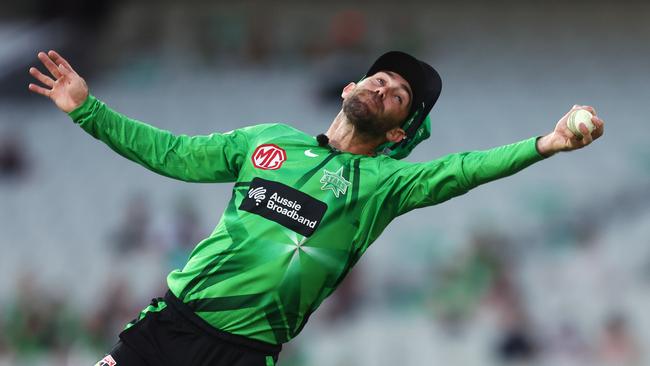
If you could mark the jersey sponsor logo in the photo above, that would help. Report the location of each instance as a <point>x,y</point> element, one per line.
<point>107,361</point>
<point>285,205</point>
<point>269,157</point>
<point>335,182</point>
<point>258,194</point>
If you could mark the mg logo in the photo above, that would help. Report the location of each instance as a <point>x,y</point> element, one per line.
<point>269,157</point>
<point>107,361</point>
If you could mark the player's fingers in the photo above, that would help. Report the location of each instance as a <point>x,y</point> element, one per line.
<point>599,127</point>
<point>59,60</point>
<point>63,70</point>
<point>586,135</point>
<point>49,64</point>
<point>590,109</point>
<point>599,124</point>
<point>36,73</point>
<point>39,89</point>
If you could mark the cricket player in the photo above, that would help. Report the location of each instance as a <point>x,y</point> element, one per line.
<point>303,210</point>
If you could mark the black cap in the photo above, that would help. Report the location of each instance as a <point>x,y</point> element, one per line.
<point>424,80</point>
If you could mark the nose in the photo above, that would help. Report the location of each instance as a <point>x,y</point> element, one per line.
<point>381,91</point>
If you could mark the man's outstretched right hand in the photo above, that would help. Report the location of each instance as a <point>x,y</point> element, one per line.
<point>67,89</point>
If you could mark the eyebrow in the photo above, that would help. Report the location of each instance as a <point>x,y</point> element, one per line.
<point>402,85</point>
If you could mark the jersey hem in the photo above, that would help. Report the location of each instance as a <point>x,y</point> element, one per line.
<point>177,305</point>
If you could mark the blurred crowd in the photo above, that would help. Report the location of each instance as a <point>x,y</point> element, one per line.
<point>562,293</point>
<point>41,325</point>
<point>487,283</point>
<point>14,162</point>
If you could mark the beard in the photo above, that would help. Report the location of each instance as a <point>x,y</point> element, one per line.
<point>363,110</point>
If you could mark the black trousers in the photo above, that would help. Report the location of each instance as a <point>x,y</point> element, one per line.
<point>173,337</point>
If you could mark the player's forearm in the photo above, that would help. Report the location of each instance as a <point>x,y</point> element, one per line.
<point>480,167</point>
<point>156,149</point>
<point>424,184</point>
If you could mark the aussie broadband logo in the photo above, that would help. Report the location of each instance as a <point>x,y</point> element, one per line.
<point>258,194</point>
<point>269,157</point>
<point>285,205</point>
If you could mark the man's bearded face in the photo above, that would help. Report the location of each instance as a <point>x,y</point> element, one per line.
<point>365,110</point>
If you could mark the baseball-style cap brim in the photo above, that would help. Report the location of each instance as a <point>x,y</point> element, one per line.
<point>425,83</point>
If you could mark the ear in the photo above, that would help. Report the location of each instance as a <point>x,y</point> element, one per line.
<point>395,135</point>
<point>347,90</point>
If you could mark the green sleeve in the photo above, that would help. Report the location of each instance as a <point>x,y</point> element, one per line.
<point>415,185</point>
<point>212,158</point>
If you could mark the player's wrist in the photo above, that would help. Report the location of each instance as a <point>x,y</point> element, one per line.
<point>83,109</point>
<point>545,145</point>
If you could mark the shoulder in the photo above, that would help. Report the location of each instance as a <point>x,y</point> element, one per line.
<point>388,165</point>
<point>282,131</point>
<point>275,133</point>
<point>390,168</point>
<point>273,128</point>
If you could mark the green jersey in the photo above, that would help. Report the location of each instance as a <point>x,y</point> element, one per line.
<point>300,216</point>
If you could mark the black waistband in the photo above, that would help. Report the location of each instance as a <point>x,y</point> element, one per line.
<point>183,309</point>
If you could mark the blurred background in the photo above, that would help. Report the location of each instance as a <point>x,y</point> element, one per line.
<point>548,267</point>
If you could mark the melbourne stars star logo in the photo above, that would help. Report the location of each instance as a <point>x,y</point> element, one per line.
<point>335,182</point>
